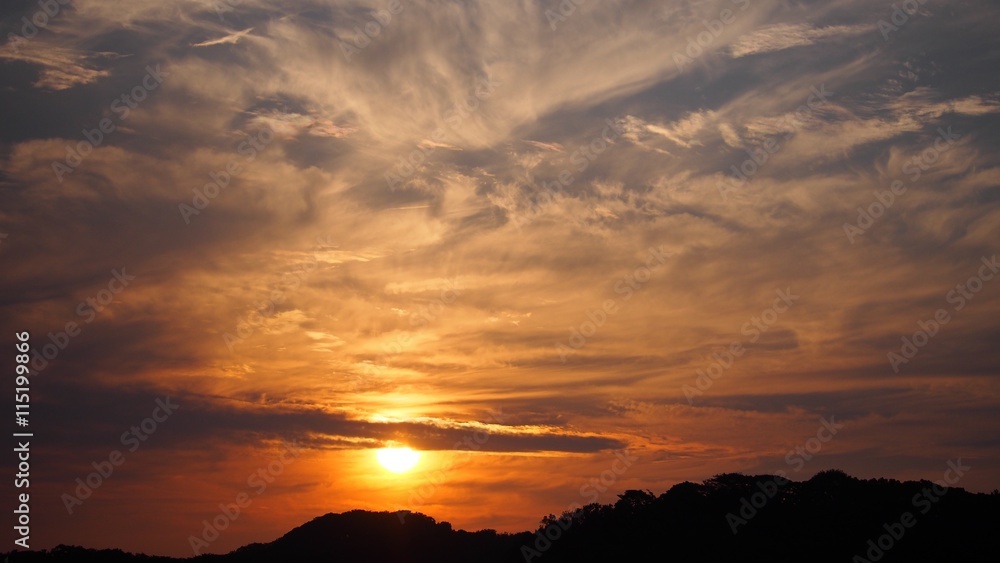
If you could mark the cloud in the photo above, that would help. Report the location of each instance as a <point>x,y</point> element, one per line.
<point>289,124</point>
<point>230,39</point>
<point>511,269</point>
<point>783,36</point>
<point>545,146</point>
<point>730,136</point>
<point>924,103</point>
<point>684,131</point>
<point>61,68</point>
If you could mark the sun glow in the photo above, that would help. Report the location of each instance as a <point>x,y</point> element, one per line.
<point>397,460</point>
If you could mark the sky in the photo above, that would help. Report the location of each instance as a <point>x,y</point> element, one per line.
<point>562,249</point>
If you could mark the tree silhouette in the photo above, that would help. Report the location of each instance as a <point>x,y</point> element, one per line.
<point>832,517</point>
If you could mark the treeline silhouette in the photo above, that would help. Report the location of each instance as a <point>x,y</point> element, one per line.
<point>731,517</point>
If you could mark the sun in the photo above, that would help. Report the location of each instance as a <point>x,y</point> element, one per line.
<point>397,460</point>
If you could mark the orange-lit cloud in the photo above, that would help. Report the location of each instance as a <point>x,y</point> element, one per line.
<point>478,214</point>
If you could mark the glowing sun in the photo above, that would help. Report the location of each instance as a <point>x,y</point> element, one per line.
<point>397,460</point>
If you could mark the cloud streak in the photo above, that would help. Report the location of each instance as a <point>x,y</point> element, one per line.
<point>367,314</point>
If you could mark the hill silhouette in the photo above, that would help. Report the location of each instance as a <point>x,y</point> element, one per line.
<point>831,517</point>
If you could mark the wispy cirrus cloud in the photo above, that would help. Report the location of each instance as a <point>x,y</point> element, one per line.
<point>783,36</point>
<point>230,39</point>
<point>60,68</point>
<point>538,203</point>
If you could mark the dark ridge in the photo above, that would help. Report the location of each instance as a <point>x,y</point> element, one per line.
<point>832,517</point>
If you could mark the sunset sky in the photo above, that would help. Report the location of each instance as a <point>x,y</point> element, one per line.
<point>528,241</point>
